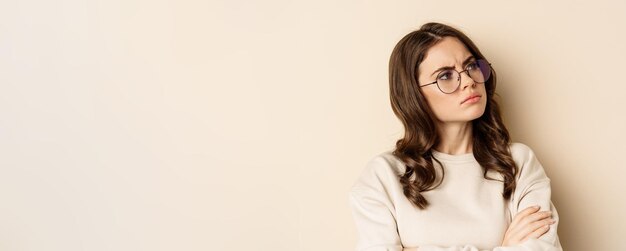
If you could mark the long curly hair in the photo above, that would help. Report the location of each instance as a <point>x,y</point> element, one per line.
<point>490,138</point>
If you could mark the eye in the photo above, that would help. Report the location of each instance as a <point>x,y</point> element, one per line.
<point>445,75</point>
<point>472,65</point>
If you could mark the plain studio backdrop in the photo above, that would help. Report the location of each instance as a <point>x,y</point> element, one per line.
<point>241,125</point>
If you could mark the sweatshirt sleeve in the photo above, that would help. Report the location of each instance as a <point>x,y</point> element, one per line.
<point>374,213</point>
<point>373,210</point>
<point>533,188</point>
<point>529,245</point>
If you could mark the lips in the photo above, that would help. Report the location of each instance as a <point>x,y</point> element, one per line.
<point>470,97</point>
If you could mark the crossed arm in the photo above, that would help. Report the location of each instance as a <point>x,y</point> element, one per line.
<point>531,228</point>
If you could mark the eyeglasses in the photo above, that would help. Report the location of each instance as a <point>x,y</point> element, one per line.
<point>448,81</point>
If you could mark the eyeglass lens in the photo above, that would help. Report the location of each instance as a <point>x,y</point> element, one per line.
<point>449,80</point>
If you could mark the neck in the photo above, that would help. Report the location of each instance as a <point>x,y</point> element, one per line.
<point>455,138</point>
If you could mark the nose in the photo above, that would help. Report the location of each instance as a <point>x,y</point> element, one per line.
<point>466,80</point>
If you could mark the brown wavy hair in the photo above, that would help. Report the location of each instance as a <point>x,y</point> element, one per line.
<point>490,138</point>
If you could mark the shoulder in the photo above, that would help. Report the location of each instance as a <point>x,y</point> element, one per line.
<point>520,151</point>
<point>527,162</point>
<point>380,171</point>
<point>522,154</point>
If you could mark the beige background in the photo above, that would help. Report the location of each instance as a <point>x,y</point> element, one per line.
<point>241,125</point>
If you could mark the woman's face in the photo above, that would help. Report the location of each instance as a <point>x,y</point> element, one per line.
<point>450,108</point>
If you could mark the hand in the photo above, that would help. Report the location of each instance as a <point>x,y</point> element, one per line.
<point>409,249</point>
<point>529,223</point>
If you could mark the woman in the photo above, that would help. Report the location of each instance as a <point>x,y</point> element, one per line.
<point>455,181</point>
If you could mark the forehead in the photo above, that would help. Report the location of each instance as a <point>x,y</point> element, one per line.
<point>450,51</point>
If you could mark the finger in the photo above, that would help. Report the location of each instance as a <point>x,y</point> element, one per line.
<point>523,213</point>
<point>516,233</point>
<point>537,233</point>
<point>535,226</point>
<point>537,216</point>
<point>517,227</point>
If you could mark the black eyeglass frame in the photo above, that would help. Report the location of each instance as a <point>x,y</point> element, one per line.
<point>459,79</point>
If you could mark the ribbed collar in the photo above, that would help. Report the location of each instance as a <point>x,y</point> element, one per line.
<point>466,157</point>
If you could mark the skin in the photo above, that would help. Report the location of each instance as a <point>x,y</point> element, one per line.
<point>455,128</point>
<point>452,117</point>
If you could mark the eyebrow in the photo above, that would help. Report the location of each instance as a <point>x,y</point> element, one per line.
<point>452,67</point>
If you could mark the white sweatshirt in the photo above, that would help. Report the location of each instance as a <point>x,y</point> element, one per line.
<point>466,213</point>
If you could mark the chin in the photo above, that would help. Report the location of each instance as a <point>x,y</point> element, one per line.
<point>476,114</point>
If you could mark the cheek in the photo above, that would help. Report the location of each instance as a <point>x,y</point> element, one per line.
<point>442,106</point>
<point>483,107</point>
